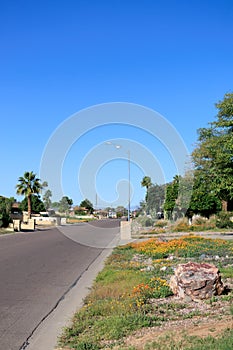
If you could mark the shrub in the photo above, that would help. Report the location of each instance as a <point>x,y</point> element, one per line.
<point>161,223</point>
<point>199,220</point>
<point>158,230</point>
<point>224,220</point>
<point>4,218</point>
<point>202,224</point>
<point>155,288</point>
<point>181,225</point>
<point>145,221</point>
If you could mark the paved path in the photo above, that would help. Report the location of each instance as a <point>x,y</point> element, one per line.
<point>212,235</point>
<point>39,270</point>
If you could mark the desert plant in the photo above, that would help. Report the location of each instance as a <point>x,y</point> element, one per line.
<point>161,223</point>
<point>181,225</point>
<point>224,220</point>
<point>145,221</point>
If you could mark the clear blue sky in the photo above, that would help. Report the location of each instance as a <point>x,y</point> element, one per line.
<point>59,57</point>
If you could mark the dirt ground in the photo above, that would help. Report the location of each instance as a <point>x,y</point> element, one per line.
<point>197,327</point>
<point>212,319</point>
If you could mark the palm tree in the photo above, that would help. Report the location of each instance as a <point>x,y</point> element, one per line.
<point>146,182</point>
<point>28,186</point>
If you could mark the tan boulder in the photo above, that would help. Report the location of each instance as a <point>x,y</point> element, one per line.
<point>196,281</point>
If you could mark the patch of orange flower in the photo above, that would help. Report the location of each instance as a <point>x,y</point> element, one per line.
<point>155,247</point>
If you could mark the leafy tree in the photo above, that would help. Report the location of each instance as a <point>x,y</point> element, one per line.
<point>65,204</point>
<point>121,211</point>
<point>88,205</point>
<point>47,199</point>
<point>5,209</point>
<point>36,205</point>
<point>213,156</point>
<point>28,186</point>
<point>55,205</point>
<point>203,200</point>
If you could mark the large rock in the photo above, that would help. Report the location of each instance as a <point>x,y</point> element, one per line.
<point>196,281</point>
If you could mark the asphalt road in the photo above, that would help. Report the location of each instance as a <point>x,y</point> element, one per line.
<point>37,269</point>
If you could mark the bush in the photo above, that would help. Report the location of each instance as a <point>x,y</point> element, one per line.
<point>224,220</point>
<point>181,225</point>
<point>202,224</point>
<point>161,223</point>
<point>145,221</point>
<point>4,218</point>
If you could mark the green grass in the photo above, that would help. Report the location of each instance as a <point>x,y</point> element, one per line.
<point>122,299</point>
<point>227,272</point>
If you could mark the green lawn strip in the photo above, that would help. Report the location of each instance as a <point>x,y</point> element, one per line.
<point>120,300</point>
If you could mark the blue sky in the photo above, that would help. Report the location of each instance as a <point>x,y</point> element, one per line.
<point>60,57</point>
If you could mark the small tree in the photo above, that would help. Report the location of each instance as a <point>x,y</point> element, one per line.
<point>88,205</point>
<point>121,211</point>
<point>65,204</point>
<point>47,199</point>
<point>5,209</point>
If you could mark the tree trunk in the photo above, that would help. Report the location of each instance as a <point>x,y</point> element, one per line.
<point>29,207</point>
<point>224,205</point>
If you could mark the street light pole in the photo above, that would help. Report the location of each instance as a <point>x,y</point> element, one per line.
<point>129,185</point>
<point>128,152</point>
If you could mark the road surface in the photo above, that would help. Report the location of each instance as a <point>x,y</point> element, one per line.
<point>38,269</point>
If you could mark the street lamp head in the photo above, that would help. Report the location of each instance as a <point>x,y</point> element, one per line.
<point>113,144</point>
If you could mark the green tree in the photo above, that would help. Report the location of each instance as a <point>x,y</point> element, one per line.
<point>47,199</point>
<point>5,210</point>
<point>213,156</point>
<point>121,211</point>
<point>55,205</point>
<point>88,205</point>
<point>28,186</point>
<point>36,205</point>
<point>65,204</point>
<point>203,200</point>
